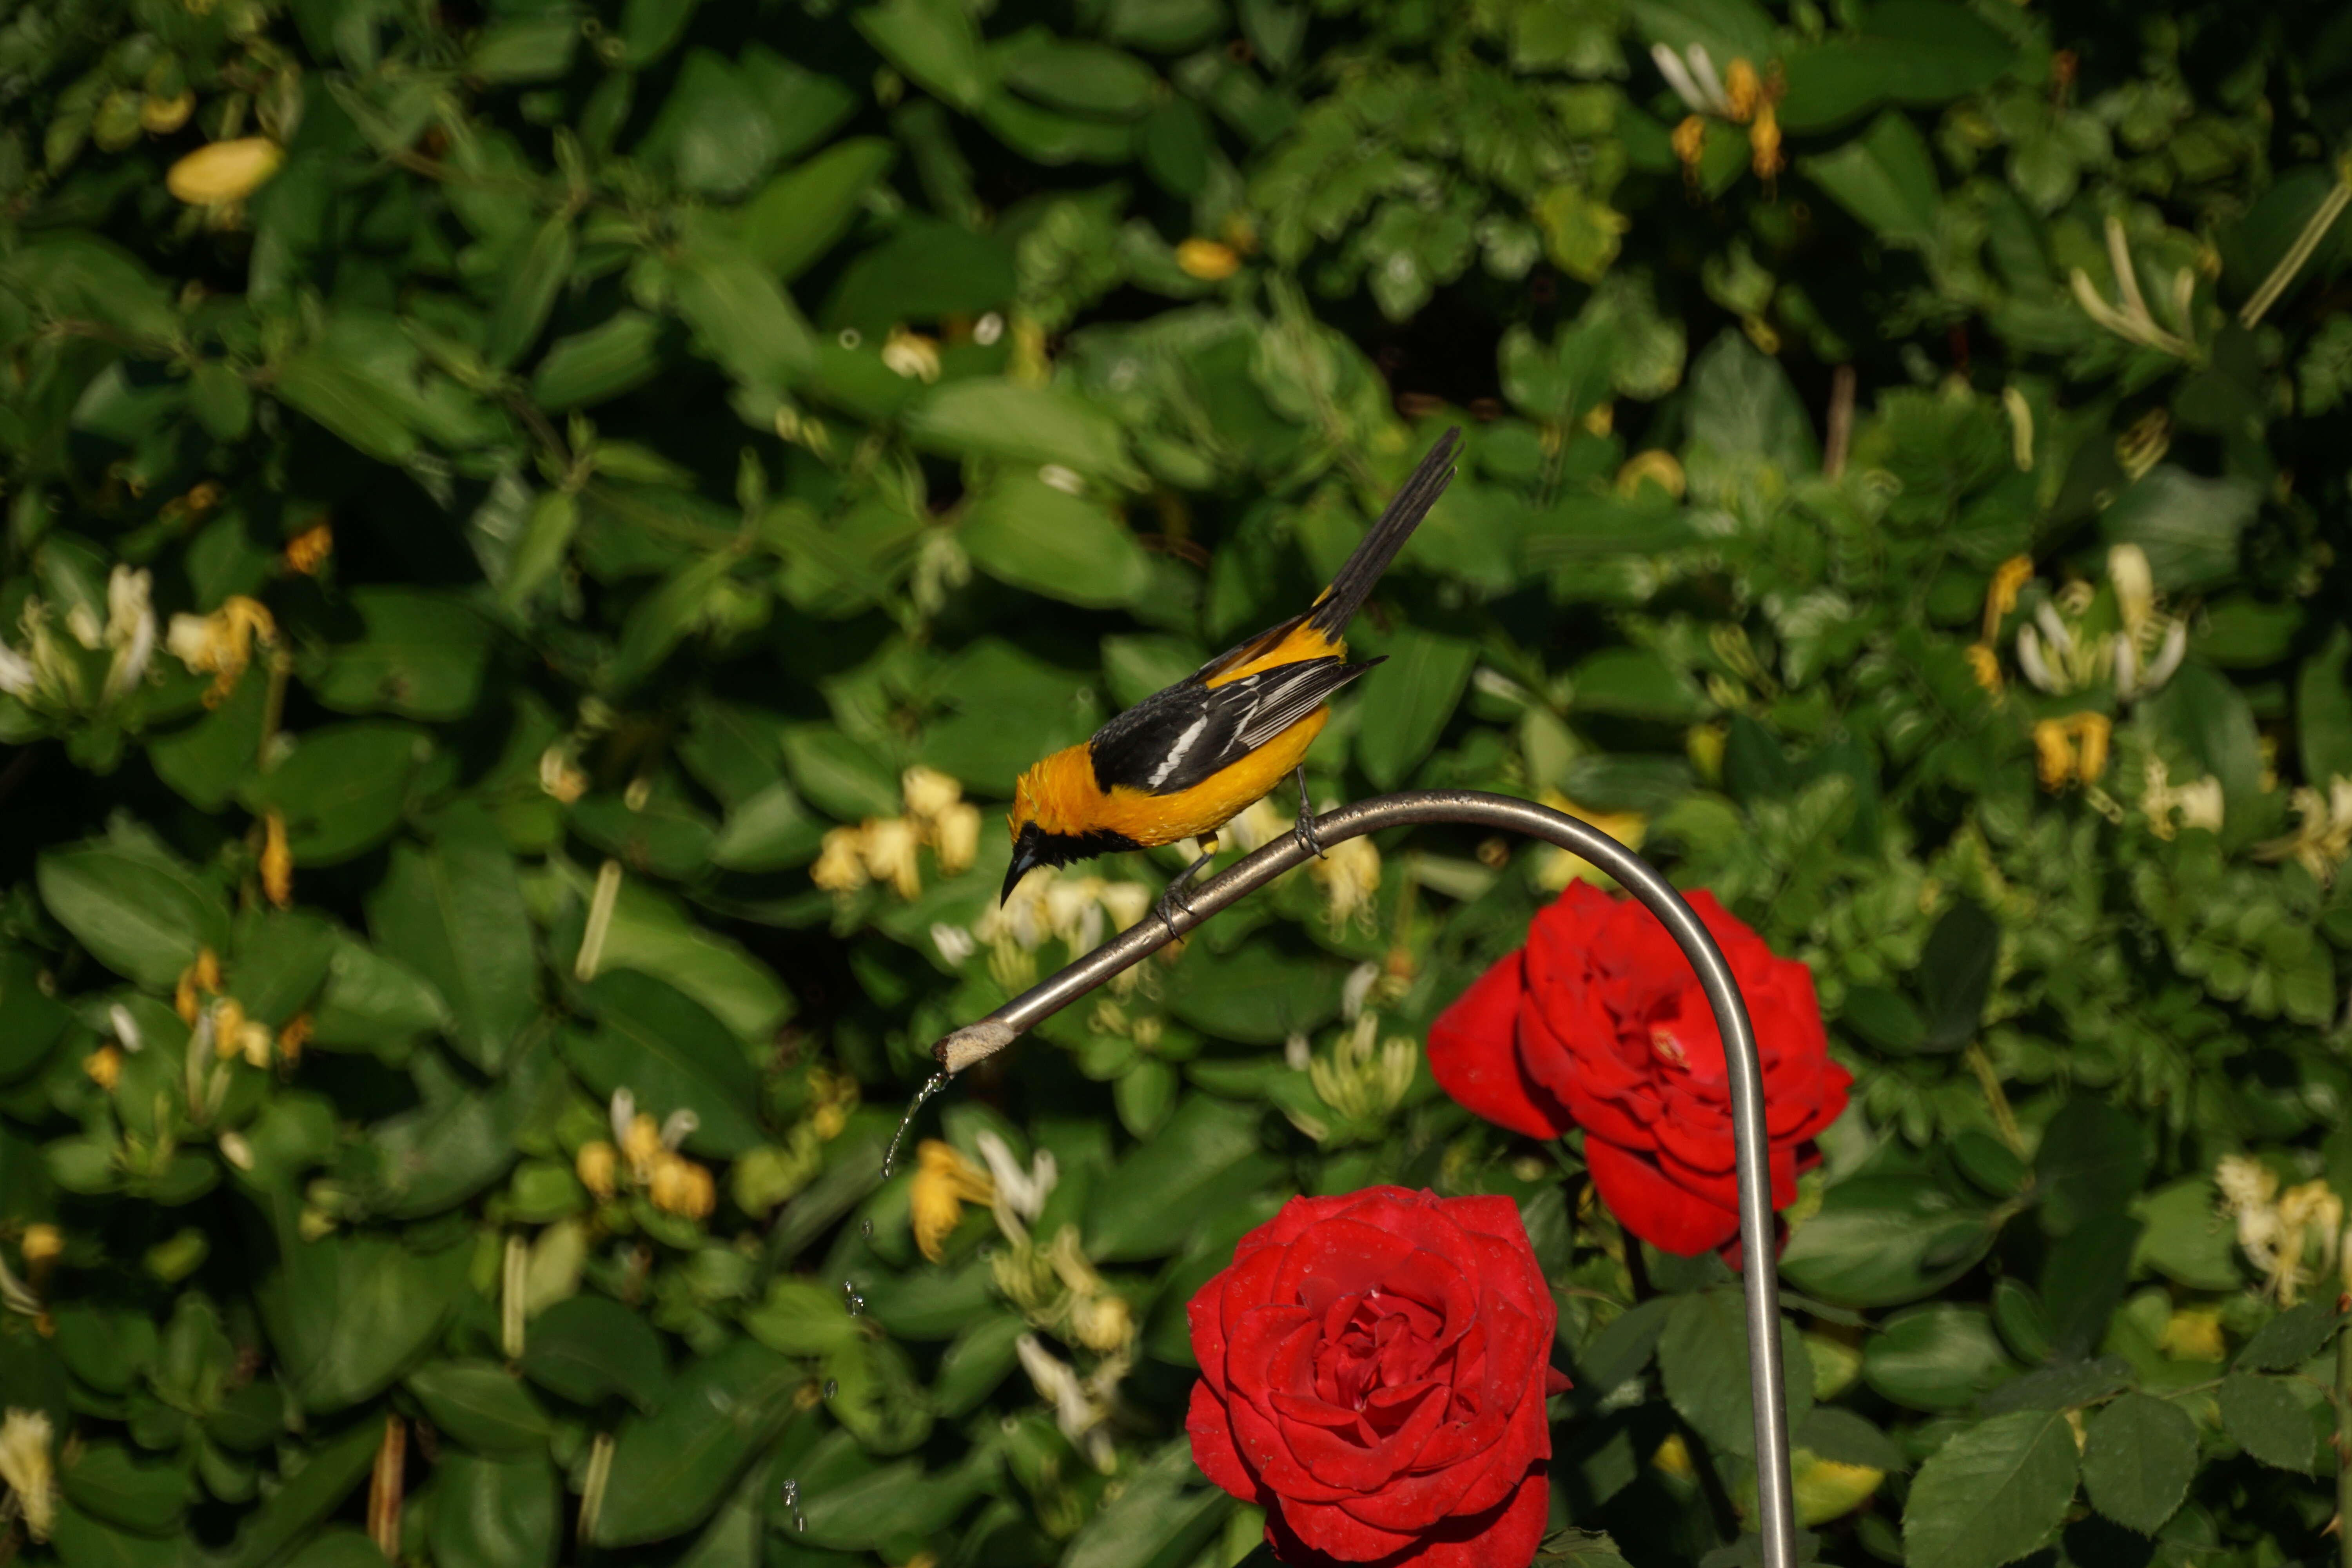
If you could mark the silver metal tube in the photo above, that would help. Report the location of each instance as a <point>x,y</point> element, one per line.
<point>1776,1518</point>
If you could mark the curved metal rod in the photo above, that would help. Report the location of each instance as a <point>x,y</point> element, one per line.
<point>1775,1517</point>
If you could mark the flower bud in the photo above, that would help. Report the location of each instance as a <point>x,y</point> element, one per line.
<point>597,1165</point>
<point>225,172</point>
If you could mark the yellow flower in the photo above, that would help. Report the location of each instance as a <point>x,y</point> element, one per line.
<point>221,644</point>
<point>1207,259</point>
<point>888,846</point>
<point>955,835</point>
<point>104,1066</point>
<point>26,1466</point>
<point>234,1034</point>
<point>912,355</point>
<point>1690,144</point>
<point>1656,467</point>
<point>1764,144</point>
<point>841,861</point>
<point>1985,665</point>
<point>162,116</point>
<point>597,1165</point>
<point>2000,598</point>
<point>944,1182</point>
<point>1350,871</point>
<point>928,792</point>
<point>201,978</point>
<point>306,550</point>
<point>1102,1321</point>
<point>2054,754</point>
<point>1673,1457</point>
<point>276,860</point>
<point>293,1037</point>
<point>1742,90</point>
<point>2194,1333</point>
<point>225,172</point>
<point>2092,732</point>
<point>679,1186</point>
<point>42,1243</point>
<point>641,1145</point>
<point>1558,867</point>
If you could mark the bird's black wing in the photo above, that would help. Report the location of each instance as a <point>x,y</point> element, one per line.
<point>1175,739</point>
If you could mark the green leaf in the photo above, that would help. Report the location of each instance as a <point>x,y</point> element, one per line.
<point>976,1363</point>
<point>1034,535</point>
<point>1886,178</point>
<point>30,1021</point>
<point>82,1541</point>
<point>651,934</point>
<point>1939,1357</point>
<point>935,42</point>
<point>371,1000</point>
<point>2289,1339</point>
<point>2266,1418</point>
<point>342,789</point>
<point>454,914</point>
<point>528,296</point>
<point>800,1317</point>
<point>1083,78</point>
<point>2091,1160</point>
<point>1992,1494</point>
<point>2187,526</point>
<point>1637,683</point>
<point>332,390</point>
<point>2139,1455</point>
<point>2322,708</point>
<point>481,1404</point>
<point>1209,1154</point>
<point>768,831</point>
<point>1704,1361</point>
<point>1879,1241</point>
<point>988,418</point>
<point>207,760</point>
<point>1955,974</point>
<point>111,1484</point>
<point>348,1313</point>
<point>671,1468</point>
<point>1742,407</point>
<point>712,132</point>
<point>1258,994</point>
<point>421,653</point>
<point>546,539</point>
<point>1844,1437</point>
<point>619,355</point>
<point>668,1051</point>
<point>2179,1239</point>
<point>1161,1520</point>
<point>663,618</point>
<point>139,910</point>
<point>872,1389</point>
<point>495,1513</point>
<point>327,1475</point>
<point>740,317</point>
<point>587,1348</point>
<point>798,217</point>
<point>836,773</point>
<point>525,49</point>
<point>1404,706</point>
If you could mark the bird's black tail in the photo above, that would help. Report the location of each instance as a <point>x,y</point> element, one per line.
<point>1353,586</point>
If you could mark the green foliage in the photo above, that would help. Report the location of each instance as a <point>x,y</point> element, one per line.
<point>522,595</point>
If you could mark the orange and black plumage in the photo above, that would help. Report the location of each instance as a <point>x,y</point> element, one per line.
<point>1185,761</point>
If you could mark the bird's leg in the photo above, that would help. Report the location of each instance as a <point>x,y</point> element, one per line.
<point>1304,831</point>
<point>1172,898</point>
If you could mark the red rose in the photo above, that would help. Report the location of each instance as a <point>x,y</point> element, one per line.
<point>1599,1022</point>
<point>1374,1372</point>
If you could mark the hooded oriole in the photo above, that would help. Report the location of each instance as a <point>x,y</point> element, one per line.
<point>1184,761</point>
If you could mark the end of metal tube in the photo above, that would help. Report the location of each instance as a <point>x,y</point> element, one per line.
<point>972,1043</point>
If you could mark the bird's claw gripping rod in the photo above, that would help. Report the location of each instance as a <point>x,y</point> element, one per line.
<point>975,1042</point>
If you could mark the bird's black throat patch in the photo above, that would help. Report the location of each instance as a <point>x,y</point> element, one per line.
<point>1062,849</point>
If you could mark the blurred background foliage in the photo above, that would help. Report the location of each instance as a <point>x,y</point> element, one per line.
<point>539,536</point>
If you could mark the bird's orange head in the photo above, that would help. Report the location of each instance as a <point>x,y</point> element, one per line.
<point>1051,823</point>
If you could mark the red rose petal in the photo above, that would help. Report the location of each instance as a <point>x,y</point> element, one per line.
<point>1668,1218</point>
<point>1473,1056</point>
<point>1213,1443</point>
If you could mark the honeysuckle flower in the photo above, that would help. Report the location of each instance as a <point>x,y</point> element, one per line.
<point>928,792</point>
<point>944,1182</point>
<point>1207,259</point>
<point>225,172</point>
<point>2129,318</point>
<point>129,628</point>
<point>1081,1405</point>
<point>2194,1333</point>
<point>221,644</point>
<point>2200,803</point>
<point>1363,1077</point>
<point>308,550</point>
<point>234,1149</point>
<point>293,1037</point>
<point>2009,580</point>
<point>276,860</point>
<point>103,1067</point>
<point>840,861</point>
<point>1655,466</point>
<point>953,944</point>
<point>42,1246</point>
<point>639,1145</point>
<point>2323,837</point>
<point>200,979</point>
<point>1355,989</point>
<point>598,1165</point>
<point>28,1468</point>
<point>125,1027</point>
<point>162,116</point>
<point>887,846</point>
<point>1349,873</point>
<point>1984,665</point>
<point>2071,750</point>
<point>912,355</point>
<point>558,776</point>
<point>678,1186</point>
<point>1693,77</point>
<point>17,677</point>
<point>1019,1191</point>
<point>955,837</point>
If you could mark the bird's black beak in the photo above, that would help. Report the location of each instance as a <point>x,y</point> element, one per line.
<point>1025,859</point>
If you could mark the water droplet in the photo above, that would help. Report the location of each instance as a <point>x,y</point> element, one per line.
<point>792,1501</point>
<point>865,1229</point>
<point>832,1386</point>
<point>856,1301</point>
<point>932,1086</point>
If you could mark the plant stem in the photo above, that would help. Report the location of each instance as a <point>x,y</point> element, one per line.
<point>2343,1437</point>
<point>2323,219</point>
<point>2003,1119</point>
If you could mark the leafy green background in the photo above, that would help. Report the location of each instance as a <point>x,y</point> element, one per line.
<point>721,410</point>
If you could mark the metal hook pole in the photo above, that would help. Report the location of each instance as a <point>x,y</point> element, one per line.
<point>1776,1518</point>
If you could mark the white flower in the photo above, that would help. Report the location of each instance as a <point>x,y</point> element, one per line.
<point>26,1466</point>
<point>623,1113</point>
<point>129,628</point>
<point>1359,983</point>
<point>1023,1192</point>
<point>1080,1408</point>
<point>1062,480</point>
<point>677,1127</point>
<point>955,944</point>
<point>16,674</point>
<point>1693,77</point>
